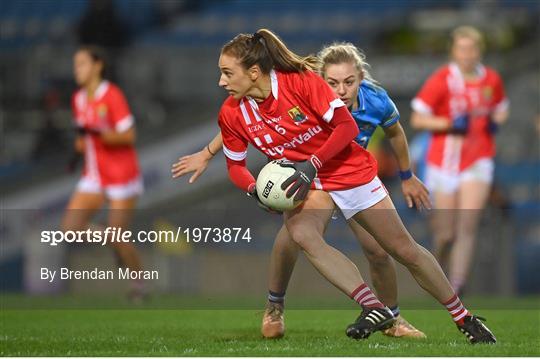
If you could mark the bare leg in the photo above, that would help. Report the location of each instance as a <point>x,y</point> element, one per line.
<point>282,260</point>
<point>81,208</point>
<point>384,224</point>
<point>443,220</point>
<point>120,213</point>
<point>473,196</point>
<point>306,226</point>
<point>381,265</point>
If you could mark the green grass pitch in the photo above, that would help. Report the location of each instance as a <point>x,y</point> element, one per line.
<point>228,332</point>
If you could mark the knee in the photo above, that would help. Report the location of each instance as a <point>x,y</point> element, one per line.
<point>379,258</point>
<point>444,237</point>
<point>407,254</point>
<point>307,240</point>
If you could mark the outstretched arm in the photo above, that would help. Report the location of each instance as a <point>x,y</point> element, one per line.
<point>197,162</point>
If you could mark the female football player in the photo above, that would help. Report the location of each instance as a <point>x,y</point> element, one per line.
<point>275,100</point>
<point>345,70</point>
<point>462,103</point>
<point>106,137</point>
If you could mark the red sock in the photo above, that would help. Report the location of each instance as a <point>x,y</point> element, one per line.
<point>365,297</point>
<point>456,309</point>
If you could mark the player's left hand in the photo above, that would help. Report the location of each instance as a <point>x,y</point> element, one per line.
<point>416,193</point>
<point>492,126</point>
<point>301,179</point>
<point>81,131</point>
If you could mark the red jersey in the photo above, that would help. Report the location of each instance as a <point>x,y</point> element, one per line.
<point>447,94</point>
<point>293,123</point>
<point>108,110</point>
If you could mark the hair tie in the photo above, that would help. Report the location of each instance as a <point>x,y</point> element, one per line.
<point>256,37</point>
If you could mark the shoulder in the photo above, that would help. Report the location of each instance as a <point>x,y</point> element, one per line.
<point>492,74</point>
<point>299,78</point>
<point>373,90</point>
<point>376,95</point>
<point>441,72</point>
<point>77,98</point>
<point>113,90</point>
<point>77,94</point>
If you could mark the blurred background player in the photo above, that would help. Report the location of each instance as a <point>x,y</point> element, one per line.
<point>345,70</point>
<point>462,104</point>
<point>255,70</point>
<point>106,137</point>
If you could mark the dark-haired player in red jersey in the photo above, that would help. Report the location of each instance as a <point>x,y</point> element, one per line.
<point>462,103</point>
<point>279,105</point>
<point>106,137</point>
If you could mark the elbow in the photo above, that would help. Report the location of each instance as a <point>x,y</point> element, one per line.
<point>353,133</point>
<point>416,122</point>
<point>131,136</point>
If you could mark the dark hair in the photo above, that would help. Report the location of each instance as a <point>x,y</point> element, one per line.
<point>98,55</point>
<point>266,49</point>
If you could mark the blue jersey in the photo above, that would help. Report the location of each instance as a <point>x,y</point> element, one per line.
<point>375,108</point>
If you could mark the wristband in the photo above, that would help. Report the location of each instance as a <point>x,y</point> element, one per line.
<point>405,175</point>
<point>208,148</point>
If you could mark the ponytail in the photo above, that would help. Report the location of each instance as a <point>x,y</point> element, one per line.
<point>266,49</point>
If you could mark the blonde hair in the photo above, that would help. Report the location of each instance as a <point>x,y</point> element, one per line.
<point>471,33</point>
<point>344,52</point>
<point>267,50</point>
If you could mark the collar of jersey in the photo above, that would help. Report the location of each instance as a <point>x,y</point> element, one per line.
<point>480,70</point>
<point>274,84</point>
<point>100,91</point>
<point>361,100</point>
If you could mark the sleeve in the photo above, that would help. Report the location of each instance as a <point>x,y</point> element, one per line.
<point>343,134</point>
<point>391,113</point>
<point>320,97</point>
<point>235,150</point>
<point>120,116</point>
<point>234,145</point>
<point>500,101</point>
<point>430,95</point>
<point>74,113</point>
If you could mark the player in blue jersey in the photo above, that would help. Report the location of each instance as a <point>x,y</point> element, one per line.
<point>345,71</point>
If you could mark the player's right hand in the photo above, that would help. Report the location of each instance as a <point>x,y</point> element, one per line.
<point>416,194</point>
<point>73,162</point>
<point>460,124</point>
<point>253,194</point>
<point>81,131</point>
<point>196,162</point>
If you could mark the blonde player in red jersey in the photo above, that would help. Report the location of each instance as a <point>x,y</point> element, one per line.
<point>462,103</point>
<point>106,137</point>
<point>279,105</point>
<point>345,69</point>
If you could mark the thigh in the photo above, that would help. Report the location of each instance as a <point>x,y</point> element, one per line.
<point>473,194</point>
<point>384,224</point>
<point>313,215</point>
<point>443,215</point>
<point>121,211</point>
<point>81,207</point>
